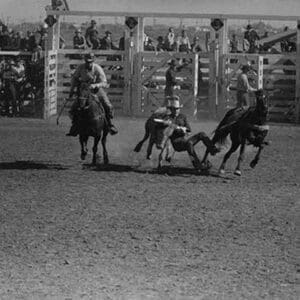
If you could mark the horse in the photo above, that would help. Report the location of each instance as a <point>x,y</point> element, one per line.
<point>244,127</point>
<point>92,123</point>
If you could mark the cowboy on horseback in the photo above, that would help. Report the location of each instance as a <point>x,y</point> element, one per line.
<point>92,75</point>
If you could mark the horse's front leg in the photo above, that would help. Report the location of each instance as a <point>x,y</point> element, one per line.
<point>232,149</point>
<point>95,149</point>
<point>83,142</point>
<point>254,162</point>
<point>240,159</point>
<point>105,154</point>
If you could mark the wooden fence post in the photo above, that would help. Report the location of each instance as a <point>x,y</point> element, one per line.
<point>218,47</point>
<point>297,92</point>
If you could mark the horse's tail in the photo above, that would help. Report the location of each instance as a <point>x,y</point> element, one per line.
<point>221,133</point>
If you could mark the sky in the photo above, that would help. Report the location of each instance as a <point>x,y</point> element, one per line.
<point>34,10</point>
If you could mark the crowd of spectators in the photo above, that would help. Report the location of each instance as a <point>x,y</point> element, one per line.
<point>11,40</point>
<point>251,42</point>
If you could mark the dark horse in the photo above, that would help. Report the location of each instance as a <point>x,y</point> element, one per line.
<point>244,127</point>
<point>92,122</point>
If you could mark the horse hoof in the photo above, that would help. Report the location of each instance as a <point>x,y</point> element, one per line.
<point>252,164</point>
<point>83,156</point>
<point>222,172</point>
<point>237,172</point>
<point>106,161</point>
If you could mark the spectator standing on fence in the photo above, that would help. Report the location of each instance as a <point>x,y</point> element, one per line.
<point>183,42</point>
<point>243,88</point>
<point>91,36</point>
<point>171,78</point>
<point>79,41</point>
<point>170,40</point>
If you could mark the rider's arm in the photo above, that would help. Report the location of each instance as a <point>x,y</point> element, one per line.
<point>101,80</point>
<point>246,84</point>
<point>74,80</point>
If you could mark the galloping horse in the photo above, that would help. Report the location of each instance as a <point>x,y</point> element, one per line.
<point>92,122</point>
<point>245,127</point>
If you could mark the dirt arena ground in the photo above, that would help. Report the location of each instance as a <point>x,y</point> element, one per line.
<point>71,231</point>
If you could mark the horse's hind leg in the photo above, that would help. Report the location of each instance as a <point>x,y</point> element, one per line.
<point>95,149</point>
<point>83,142</point>
<point>240,159</point>
<point>105,155</point>
<point>232,149</point>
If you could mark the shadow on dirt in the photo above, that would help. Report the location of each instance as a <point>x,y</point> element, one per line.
<point>165,170</point>
<point>31,165</point>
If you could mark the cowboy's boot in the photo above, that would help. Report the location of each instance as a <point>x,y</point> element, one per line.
<point>111,127</point>
<point>74,131</point>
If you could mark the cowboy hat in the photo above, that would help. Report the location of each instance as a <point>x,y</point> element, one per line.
<point>246,67</point>
<point>174,102</point>
<point>78,30</point>
<point>172,62</point>
<point>107,32</point>
<point>89,57</point>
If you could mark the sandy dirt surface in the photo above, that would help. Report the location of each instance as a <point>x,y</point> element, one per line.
<point>72,231</point>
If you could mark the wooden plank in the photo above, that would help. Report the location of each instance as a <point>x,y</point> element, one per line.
<point>276,76</point>
<point>279,67</point>
<point>297,93</point>
<point>171,15</point>
<point>96,52</point>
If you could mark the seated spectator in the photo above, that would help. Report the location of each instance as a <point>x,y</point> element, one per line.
<point>15,40</point>
<point>234,44</point>
<point>5,41</point>
<point>170,43</point>
<point>160,44</point>
<point>79,41</point>
<point>32,44</point>
<point>148,45</point>
<point>106,42</point>
<point>183,42</point>
<point>196,46</point>
<point>91,36</point>
<point>122,42</point>
<point>251,37</point>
